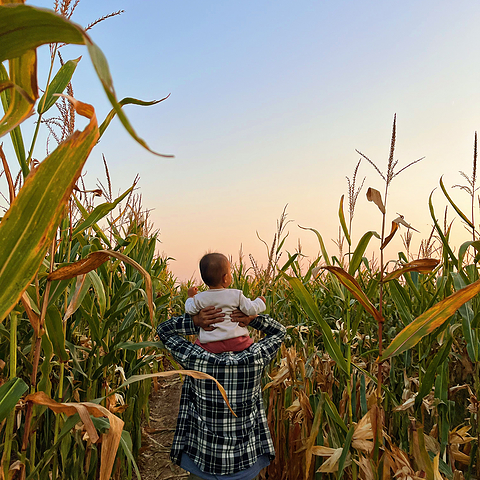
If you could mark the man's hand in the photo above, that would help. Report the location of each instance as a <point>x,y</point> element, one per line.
<point>207,317</point>
<point>192,291</point>
<point>242,319</point>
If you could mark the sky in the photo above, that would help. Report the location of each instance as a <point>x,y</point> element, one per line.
<point>269,101</point>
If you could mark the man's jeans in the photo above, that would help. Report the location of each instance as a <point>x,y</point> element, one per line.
<point>195,477</point>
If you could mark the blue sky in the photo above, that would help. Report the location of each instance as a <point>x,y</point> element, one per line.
<point>268,102</point>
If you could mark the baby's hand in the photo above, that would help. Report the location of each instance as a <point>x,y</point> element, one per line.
<point>263,298</point>
<point>192,291</point>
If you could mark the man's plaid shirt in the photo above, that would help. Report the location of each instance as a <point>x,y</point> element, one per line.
<point>216,441</point>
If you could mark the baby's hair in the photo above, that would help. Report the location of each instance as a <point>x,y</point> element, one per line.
<point>213,266</point>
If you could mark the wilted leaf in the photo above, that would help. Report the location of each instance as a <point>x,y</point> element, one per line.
<point>363,434</point>
<point>110,440</point>
<point>190,373</point>
<point>422,265</point>
<point>390,236</point>
<point>375,197</point>
<point>83,266</point>
<point>401,221</point>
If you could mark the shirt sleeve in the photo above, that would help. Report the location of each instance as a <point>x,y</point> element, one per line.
<point>191,306</point>
<point>251,307</point>
<point>170,333</point>
<point>275,334</point>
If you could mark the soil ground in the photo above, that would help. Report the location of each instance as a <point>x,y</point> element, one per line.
<point>154,459</point>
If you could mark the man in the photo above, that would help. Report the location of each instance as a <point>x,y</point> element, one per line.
<point>209,441</point>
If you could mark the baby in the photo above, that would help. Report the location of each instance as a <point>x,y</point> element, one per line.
<point>228,336</point>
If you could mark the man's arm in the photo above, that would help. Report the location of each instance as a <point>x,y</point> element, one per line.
<point>171,334</point>
<point>274,330</point>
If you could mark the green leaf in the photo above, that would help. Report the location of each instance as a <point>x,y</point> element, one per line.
<point>326,258</point>
<point>25,28</point>
<point>429,377</point>
<point>57,85</point>
<point>359,251</point>
<point>99,212</point>
<point>352,285</point>
<point>346,448</point>
<point>463,250</point>
<point>312,311</point>
<point>30,224</point>
<point>467,314</point>
<point>99,291</point>
<point>402,302</point>
<point>429,321</point>
<point>10,394</point>
<point>440,232</point>
<point>16,133</point>
<point>127,446</point>
<point>123,102</point>
<point>455,207</point>
<point>23,77</point>
<point>53,322</point>
<point>341,216</point>
<point>101,67</point>
<point>332,412</point>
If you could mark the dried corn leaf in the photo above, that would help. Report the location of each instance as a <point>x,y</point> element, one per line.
<point>376,197</point>
<point>333,454</point>
<point>110,440</point>
<point>363,434</point>
<point>423,265</point>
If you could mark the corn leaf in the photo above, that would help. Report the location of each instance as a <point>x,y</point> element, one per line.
<point>429,377</point>
<point>352,285</point>
<point>422,265</point>
<point>99,291</point>
<point>455,207</point>
<point>10,394</point>
<point>57,85</point>
<point>99,212</point>
<point>23,77</point>
<point>123,102</point>
<point>312,311</point>
<point>467,314</point>
<point>359,251</point>
<point>429,321</point>
<point>326,258</point>
<point>16,133</point>
<point>29,225</point>
<point>341,216</point>
<point>24,28</point>
<point>440,232</point>
<point>376,197</point>
<point>190,373</point>
<point>110,440</point>
<point>390,236</point>
<point>53,323</point>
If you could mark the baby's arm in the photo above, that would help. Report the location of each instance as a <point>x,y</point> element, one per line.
<point>192,291</point>
<point>190,305</point>
<point>252,307</point>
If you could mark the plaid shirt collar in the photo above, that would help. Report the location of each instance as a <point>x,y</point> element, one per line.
<point>218,442</point>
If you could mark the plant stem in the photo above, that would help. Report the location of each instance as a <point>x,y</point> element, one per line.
<point>7,448</point>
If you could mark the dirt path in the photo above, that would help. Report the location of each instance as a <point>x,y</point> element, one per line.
<point>154,459</point>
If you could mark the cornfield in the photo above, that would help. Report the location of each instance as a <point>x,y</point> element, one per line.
<point>379,376</point>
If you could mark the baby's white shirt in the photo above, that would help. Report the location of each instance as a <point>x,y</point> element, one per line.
<point>228,299</point>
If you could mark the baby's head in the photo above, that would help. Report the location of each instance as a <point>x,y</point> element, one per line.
<point>215,270</point>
